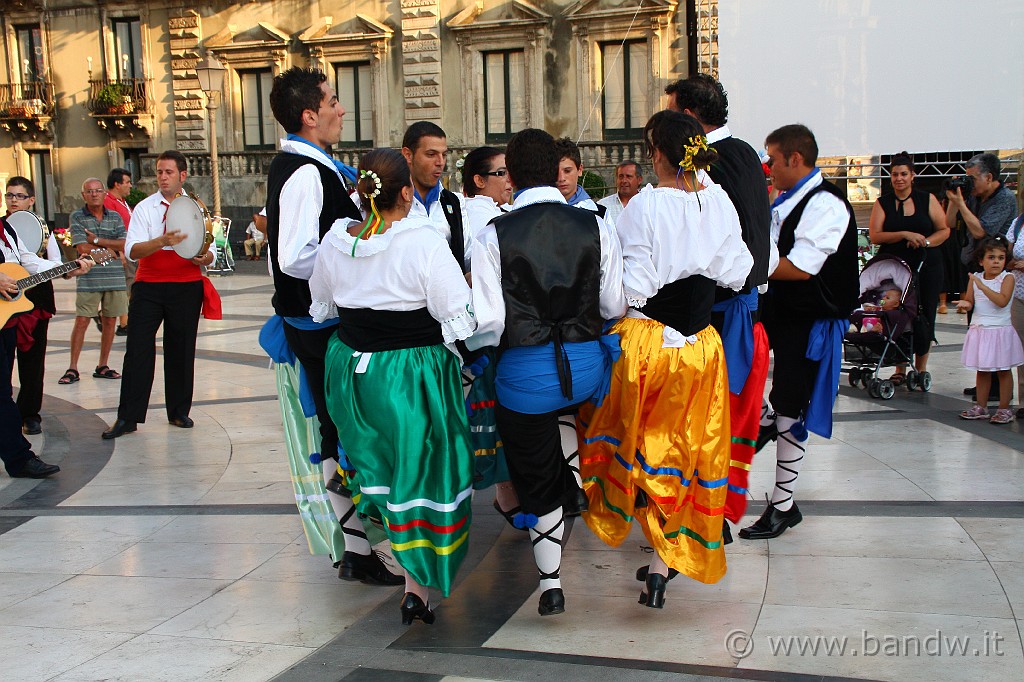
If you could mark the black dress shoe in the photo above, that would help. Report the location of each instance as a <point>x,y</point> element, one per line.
<point>654,595</point>
<point>367,568</point>
<point>34,468</point>
<point>551,602</point>
<point>181,422</point>
<point>726,533</point>
<point>641,573</point>
<point>576,503</point>
<point>121,331</point>
<point>773,523</point>
<point>32,427</point>
<point>119,428</point>
<point>971,391</point>
<point>413,608</point>
<point>765,435</point>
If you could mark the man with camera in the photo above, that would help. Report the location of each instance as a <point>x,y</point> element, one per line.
<point>988,207</point>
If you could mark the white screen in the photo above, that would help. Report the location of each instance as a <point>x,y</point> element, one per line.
<point>876,76</point>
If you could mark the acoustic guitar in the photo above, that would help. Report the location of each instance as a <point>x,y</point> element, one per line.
<point>20,302</point>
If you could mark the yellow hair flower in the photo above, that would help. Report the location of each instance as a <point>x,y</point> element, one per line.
<point>692,147</point>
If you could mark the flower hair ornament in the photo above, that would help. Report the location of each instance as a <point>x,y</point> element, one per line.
<point>693,146</point>
<point>375,221</point>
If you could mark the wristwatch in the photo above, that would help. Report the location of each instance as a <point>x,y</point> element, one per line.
<point>927,243</point>
<point>96,241</point>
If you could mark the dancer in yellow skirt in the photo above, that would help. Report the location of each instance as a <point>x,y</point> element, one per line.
<point>657,450</point>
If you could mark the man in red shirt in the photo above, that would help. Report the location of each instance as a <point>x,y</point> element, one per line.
<point>119,186</point>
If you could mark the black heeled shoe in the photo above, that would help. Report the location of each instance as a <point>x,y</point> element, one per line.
<point>551,602</point>
<point>413,608</point>
<point>654,595</point>
<point>509,515</point>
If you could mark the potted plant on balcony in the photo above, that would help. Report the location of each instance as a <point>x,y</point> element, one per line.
<point>115,98</point>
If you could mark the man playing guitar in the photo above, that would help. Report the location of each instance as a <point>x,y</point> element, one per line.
<point>15,450</point>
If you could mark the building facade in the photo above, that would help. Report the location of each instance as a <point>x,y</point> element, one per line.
<point>88,85</point>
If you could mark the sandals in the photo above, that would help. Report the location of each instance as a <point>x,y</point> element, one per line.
<point>104,372</point>
<point>898,379</point>
<point>975,412</point>
<point>1003,416</point>
<point>70,377</point>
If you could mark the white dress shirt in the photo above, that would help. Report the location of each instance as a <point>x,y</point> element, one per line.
<point>669,234</point>
<point>149,222</point>
<point>488,300</point>
<point>821,227</point>
<point>17,253</point>
<point>613,203</point>
<point>408,267</point>
<point>302,198</point>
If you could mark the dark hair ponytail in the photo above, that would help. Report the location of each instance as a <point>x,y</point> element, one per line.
<point>390,168</point>
<point>671,132</point>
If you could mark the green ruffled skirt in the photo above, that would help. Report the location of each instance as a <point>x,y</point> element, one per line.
<point>401,417</point>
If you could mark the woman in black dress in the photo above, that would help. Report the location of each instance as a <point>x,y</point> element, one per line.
<point>910,224</point>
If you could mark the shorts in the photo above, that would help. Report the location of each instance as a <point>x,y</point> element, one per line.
<point>110,303</point>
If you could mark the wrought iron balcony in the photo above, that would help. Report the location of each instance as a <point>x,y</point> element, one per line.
<point>121,104</point>
<point>26,108</point>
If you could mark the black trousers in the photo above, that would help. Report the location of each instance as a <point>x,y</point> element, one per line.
<point>793,376</point>
<point>175,305</point>
<point>31,367</point>
<point>930,283</point>
<point>15,449</point>
<point>310,347</point>
<point>536,463</point>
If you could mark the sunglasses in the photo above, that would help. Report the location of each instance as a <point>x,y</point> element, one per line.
<point>498,173</point>
<point>93,191</point>
<point>10,196</point>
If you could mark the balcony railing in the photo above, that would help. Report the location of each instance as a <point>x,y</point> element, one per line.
<point>119,97</point>
<point>29,101</point>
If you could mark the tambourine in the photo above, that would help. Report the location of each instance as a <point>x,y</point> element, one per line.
<point>189,215</point>
<point>31,230</point>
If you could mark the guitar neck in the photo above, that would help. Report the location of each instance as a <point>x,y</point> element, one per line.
<point>60,270</point>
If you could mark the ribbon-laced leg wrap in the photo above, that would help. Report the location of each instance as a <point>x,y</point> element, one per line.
<point>789,457</point>
<point>547,548</point>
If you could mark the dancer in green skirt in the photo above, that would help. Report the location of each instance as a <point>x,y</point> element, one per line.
<point>392,385</point>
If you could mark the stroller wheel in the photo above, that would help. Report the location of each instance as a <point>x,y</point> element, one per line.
<point>854,376</point>
<point>886,389</point>
<point>913,380</point>
<point>865,378</point>
<point>873,388</point>
<point>925,381</point>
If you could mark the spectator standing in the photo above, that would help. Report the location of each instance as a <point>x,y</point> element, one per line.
<point>628,179</point>
<point>94,226</point>
<point>119,186</point>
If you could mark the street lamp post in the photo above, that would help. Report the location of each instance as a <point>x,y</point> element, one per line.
<point>211,79</point>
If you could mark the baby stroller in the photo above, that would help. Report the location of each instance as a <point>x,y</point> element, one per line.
<point>884,338</point>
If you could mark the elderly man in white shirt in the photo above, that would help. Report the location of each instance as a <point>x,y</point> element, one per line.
<point>628,180</point>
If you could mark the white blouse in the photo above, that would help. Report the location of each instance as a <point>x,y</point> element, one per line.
<point>668,234</point>
<point>406,268</point>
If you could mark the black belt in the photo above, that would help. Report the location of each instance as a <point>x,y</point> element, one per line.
<point>371,331</point>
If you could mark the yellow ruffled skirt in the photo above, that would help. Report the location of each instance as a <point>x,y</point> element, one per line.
<point>662,431</point>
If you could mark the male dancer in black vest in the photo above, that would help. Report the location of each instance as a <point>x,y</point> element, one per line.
<point>811,293</point>
<point>306,193</point>
<point>545,277</point>
<point>735,314</point>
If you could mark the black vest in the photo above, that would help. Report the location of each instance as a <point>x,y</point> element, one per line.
<point>291,294</point>
<point>550,274</point>
<point>738,170</point>
<point>833,292</point>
